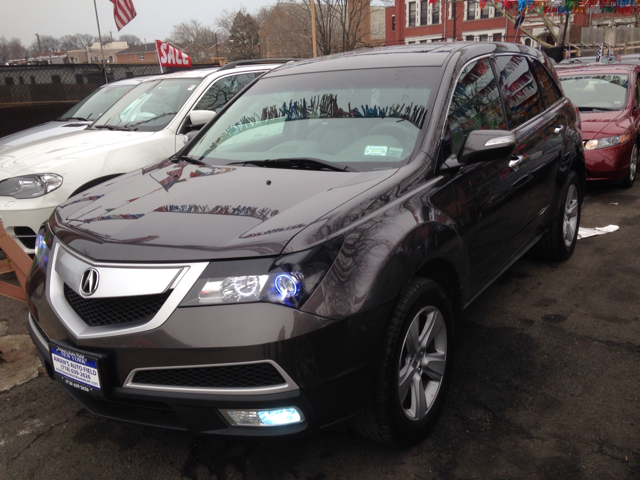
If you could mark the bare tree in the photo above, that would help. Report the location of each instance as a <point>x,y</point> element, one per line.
<point>45,44</point>
<point>130,39</point>
<point>11,50</point>
<point>195,38</point>
<point>286,32</point>
<point>76,41</point>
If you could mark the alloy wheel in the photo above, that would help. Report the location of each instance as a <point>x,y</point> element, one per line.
<point>422,363</point>
<point>570,222</point>
<point>633,163</point>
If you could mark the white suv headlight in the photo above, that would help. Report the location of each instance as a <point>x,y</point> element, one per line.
<point>30,186</point>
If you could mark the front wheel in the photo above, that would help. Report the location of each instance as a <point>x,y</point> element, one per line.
<point>413,372</point>
<point>633,165</point>
<point>560,240</point>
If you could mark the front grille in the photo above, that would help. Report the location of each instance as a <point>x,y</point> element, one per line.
<point>97,312</point>
<point>229,376</point>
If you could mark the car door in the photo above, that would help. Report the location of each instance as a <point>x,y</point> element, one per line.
<point>489,196</point>
<point>215,97</point>
<point>538,133</point>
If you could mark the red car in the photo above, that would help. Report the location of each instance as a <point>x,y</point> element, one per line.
<point>608,97</point>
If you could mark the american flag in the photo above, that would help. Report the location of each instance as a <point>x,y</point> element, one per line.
<point>123,12</point>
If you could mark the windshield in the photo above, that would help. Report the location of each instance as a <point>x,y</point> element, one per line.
<point>150,106</point>
<point>597,92</point>
<point>364,119</point>
<point>91,107</point>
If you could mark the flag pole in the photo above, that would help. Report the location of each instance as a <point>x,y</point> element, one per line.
<point>104,70</point>
<point>158,55</point>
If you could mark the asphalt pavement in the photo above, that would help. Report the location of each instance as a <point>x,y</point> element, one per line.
<point>546,385</point>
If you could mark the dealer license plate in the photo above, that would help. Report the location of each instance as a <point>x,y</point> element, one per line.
<point>75,369</point>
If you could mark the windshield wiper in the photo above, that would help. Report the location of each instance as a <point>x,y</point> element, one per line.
<point>111,127</point>
<point>186,158</point>
<point>602,109</point>
<point>304,163</point>
<point>68,119</point>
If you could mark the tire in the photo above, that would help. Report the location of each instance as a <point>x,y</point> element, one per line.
<point>633,166</point>
<point>560,240</point>
<point>414,367</point>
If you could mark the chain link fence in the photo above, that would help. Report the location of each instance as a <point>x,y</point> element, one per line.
<point>33,94</point>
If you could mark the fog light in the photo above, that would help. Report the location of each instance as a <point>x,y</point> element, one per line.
<point>263,418</point>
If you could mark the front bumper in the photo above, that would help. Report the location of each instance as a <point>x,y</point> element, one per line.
<point>608,164</point>
<point>17,216</point>
<point>327,365</point>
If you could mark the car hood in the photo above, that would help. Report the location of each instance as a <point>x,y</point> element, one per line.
<point>40,132</point>
<point>48,154</point>
<point>179,212</point>
<point>595,122</point>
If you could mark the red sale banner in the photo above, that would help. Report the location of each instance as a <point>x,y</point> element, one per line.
<point>171,57</point>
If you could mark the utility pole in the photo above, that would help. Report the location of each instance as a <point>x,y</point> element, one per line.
<point>453,14</point>
<point>39,45</point>
<point>313,27</point>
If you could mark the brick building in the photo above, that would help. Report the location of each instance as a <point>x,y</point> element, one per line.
<point>138,54</point>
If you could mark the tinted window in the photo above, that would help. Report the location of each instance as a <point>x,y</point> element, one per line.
<point>521,92</point>
<point>476,103</point>
<point>224,90</point>
<point>550,92</point>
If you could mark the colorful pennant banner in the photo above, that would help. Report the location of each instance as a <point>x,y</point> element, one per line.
<point>573,6</point>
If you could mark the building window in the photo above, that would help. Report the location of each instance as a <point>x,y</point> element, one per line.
<point>483,38</point>
<point>497,12</point>
<point>527,42</point>
<point>135,56</point>
<point>412,14</point>
<point>111,58</point>
<point>471,11</point>
<point>469,38</point>
<point>484,13</point>
<point>129,56</point>
<point>142,56</point>
<point>435,13</point>
<point>424,12</point>
<point>393,23</point>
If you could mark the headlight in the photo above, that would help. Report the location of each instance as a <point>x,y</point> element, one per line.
<point>287,280</point>
<point>30,186</point>
<point>44,240</point>
<point>606,142</point>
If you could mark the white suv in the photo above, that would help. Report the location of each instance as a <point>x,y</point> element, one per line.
<point>151,122</point>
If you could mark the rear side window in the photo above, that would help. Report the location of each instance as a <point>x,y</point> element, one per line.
<point>520,89</point>
<point>476,103</point>
<point>550,92</point>
<point>224,90</point>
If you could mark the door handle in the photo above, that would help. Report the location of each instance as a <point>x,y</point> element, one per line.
<point>558,129</point>
<point>515,161</point>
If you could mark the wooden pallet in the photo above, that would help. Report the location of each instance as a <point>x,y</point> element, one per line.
<point>17,262</point>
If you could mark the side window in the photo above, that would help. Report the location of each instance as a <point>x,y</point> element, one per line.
<point>637,101</point>
<point>475,104</point>
<point>521,92</point>
<point>550,92</point>
<point>223,90</point>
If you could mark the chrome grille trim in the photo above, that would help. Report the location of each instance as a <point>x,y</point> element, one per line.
<point>288,386</point>
<point>180,277</point>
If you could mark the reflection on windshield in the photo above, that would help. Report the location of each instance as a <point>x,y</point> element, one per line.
<point>369,118</point>
<point>150,106</point>
<point>605,91</point>
<point>95,104</point>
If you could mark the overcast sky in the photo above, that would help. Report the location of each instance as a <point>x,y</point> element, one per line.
<point>24,18</point>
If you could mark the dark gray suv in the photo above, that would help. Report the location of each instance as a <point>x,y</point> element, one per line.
<point>305,260</point>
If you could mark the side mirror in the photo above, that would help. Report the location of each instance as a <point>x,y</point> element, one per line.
<point>486,145</point>
<point>201,117</point>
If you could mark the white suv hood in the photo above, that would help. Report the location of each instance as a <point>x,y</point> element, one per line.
<point>49,155</point>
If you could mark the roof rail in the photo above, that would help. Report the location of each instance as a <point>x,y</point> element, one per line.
<point>257,61</point>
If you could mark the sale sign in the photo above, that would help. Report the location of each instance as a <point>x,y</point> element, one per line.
<point>171,57</point>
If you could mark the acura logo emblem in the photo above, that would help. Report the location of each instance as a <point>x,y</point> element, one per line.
<point>89,282</point>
